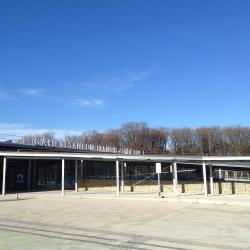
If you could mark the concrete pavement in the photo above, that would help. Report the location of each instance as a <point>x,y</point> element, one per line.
<point>53,222</point>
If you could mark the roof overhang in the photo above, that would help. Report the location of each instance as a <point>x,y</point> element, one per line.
<point>121,157</point>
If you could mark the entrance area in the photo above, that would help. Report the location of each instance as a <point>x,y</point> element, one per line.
<point>37,175</point>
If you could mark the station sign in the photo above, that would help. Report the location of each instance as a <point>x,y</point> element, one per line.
<point>42,141</point>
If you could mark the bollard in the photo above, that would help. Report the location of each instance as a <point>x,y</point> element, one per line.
<point>17,196</point>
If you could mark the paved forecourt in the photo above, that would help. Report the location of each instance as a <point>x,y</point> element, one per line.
<point>69,223</point>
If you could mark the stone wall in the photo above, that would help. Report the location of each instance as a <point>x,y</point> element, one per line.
<point>150,186</point>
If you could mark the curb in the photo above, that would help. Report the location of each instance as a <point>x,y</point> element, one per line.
<point>206,201</point>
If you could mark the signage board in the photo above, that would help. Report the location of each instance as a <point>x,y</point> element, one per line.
<point>158,167</point>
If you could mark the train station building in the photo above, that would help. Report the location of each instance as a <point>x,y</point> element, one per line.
<point>38,167</point>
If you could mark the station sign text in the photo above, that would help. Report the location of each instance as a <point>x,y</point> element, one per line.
<point>42,141</point>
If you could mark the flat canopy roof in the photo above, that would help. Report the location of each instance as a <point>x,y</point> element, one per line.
<point>23,151</point>
<point>122,157</point>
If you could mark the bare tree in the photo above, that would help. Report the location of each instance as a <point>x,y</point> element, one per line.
<point>202,140</point>
<point>217,145</point>
<point>234,140</point>
<point>183,141</point>
<point>238,139</point>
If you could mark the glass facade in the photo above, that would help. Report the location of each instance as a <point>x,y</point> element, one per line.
<point>99,170</point>
<point>24,175</point>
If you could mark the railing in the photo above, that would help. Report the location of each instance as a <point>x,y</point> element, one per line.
<point>233,175</point>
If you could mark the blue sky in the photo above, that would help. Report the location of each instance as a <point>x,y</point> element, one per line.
<point>83,65</point>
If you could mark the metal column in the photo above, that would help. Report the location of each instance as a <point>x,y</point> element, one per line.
<point>81,169</point>
<point>220,174</point>
<point>122,177</point>
<point>63,168</point>
<point>76,178</point>
<point>4,175</point>
<point>211,179</point>
<point>175,178</point>
<point>117,178</point>
<point>204,177</point>
<point>159,184</point>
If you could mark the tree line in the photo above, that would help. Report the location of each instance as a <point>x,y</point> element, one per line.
<point>215,140</point>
